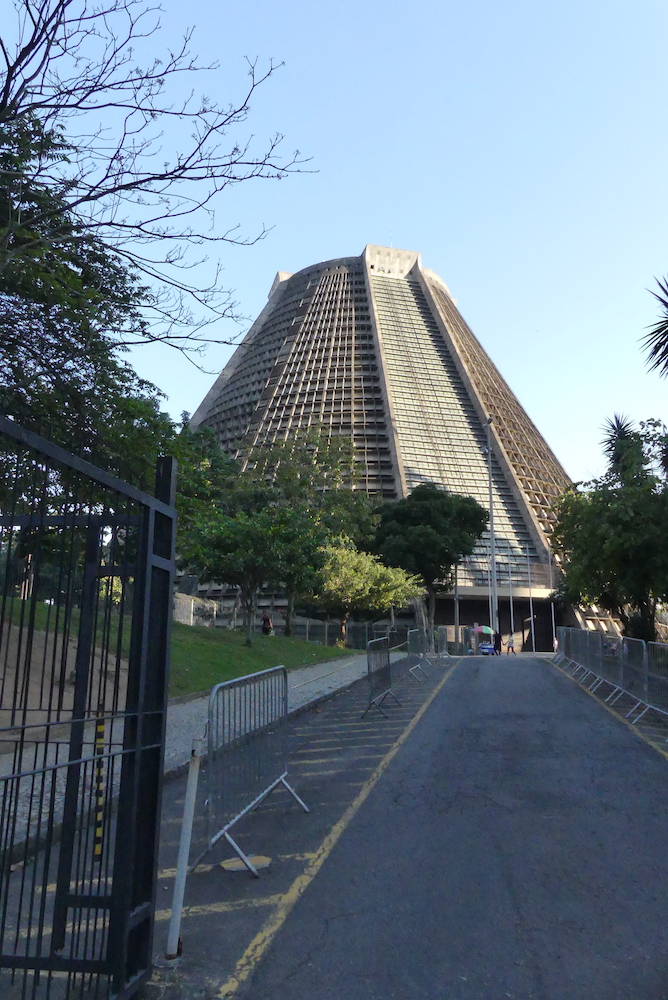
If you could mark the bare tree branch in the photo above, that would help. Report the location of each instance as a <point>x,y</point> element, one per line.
<point>131,162</point>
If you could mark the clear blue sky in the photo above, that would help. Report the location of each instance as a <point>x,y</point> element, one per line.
<point>521,147</point>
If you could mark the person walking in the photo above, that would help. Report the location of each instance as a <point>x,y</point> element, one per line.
<point>497,644</point>
<point>510,645</point>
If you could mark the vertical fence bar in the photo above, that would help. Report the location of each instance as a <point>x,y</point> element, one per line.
<point>73,584</point>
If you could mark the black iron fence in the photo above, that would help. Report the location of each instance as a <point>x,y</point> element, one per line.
<point>86,569</point>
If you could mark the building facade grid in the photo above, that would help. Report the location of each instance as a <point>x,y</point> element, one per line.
<point>373,348</point>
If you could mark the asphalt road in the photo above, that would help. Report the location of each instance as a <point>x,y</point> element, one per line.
<point>515,846</point>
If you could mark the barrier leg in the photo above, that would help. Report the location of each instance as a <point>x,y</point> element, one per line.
<point>249,865</point>
<point>411,671</point>
<point>378,701</point>
<point>294,795</point>
<point>375,703</point>
<point>174,933</point>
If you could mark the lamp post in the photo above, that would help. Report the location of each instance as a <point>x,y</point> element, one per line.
<point>554,626</point>
<point>494,600</point>
<point>456,611</point>
<point>533,633</point>
<point>510,588</point>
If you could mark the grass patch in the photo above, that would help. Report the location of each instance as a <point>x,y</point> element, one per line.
<point>202,657</point>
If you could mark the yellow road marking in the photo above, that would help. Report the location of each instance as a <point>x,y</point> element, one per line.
<point>171,872</point>
<point>308,856</point>
<point>360,727</point>
<point>219,907</point>
<point>330,760</point>
<point>320,773</point>
<point>346,746</point>
<point>258,946</point>
<point>318,760</point>
<point>620,718</point>
<point>202,869</point>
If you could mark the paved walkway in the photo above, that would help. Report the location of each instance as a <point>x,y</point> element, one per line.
<point>186,719</point>
<point>500,835</point>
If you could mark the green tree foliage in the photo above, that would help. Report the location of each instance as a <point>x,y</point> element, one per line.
<point>61,306</point>
<point>313,476</point>
<point>208,484</point>
<point>611,531</point>
<point>428,533</point>
<point>274,546</point>
<point>318,471</point>
<point>358,581</point>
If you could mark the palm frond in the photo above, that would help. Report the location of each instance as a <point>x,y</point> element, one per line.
<point>656,341</point>
<point>617,432</point>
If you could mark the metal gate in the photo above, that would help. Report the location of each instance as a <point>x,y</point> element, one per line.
<point>86,568</point>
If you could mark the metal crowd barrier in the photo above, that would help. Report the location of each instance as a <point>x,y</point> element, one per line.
<point>657,675</point>
<point>379,673</point>
<point>247,751</point>
<point>247,759</point>
<point>442,642</point>
<point>628,666</point>
<point>416,643</point>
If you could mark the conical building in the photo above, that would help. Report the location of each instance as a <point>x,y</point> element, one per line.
<point>374,348</point>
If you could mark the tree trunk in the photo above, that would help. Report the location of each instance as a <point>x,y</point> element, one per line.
<point>289,611</point>
<point>431,614</point>
<point>249,615</point>
<point>342,630</point>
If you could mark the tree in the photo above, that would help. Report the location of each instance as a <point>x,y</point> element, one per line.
<point>302,554</point>
<point>61,373</point>
<point>428,533</point>
<point>313,475</point>
<point>98,146</point>
<point>88,401</point>
<point>273,546</point>
<point>358,581</point>
<point>656,341</point>
<point>296,491</point>
<point>241,551</point>
<point>612,531</point>
<point>208,481</point>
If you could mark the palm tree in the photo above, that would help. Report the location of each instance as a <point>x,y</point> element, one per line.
<point>624,449</point>
<point>656,341</point>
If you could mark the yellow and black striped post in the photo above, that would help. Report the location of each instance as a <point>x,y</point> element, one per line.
<point>99,786</point>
